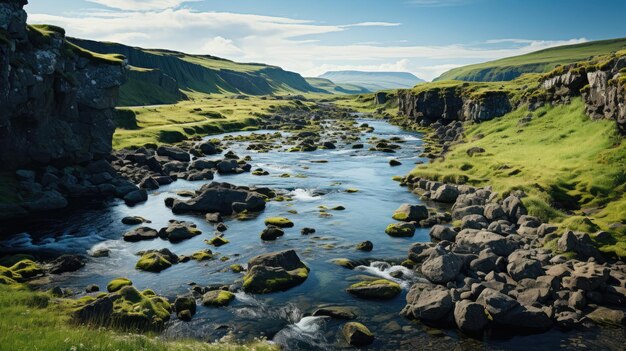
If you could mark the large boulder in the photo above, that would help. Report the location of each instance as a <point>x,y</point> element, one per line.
<point>476,241</point>
<point>174,153</point>
<point>276,271</point>
<point>433,304</point>
<point>410,213</point>
<point>356,334</point>
<point>141,233</point>
<point>216,197</point>
<point>514,208</point>
<point>177,231</point>
<point>67,263</point>
<point>375,289</point>
<point>470,317</point>
<point>522,266</point>
<point>441,232</point>
<point>400,229</point>
<point>446,193</point>
<point>156,261</point>
<point>442,267</point>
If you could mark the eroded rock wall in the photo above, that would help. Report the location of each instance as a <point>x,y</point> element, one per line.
<point>56,102</point>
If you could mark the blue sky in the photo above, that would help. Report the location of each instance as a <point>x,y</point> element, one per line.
<point>424,37</point>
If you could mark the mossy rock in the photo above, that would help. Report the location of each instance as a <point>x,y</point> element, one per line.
<point>352,190</point>
<point>134,310</point>
<point>153,262</point>
<point>118,283</point>
<point>217,241</point>
<point>236,268</point>
<point>344,262</point>
<point>263,280</point>
<point>203,255</point>
<point>218,298</point>
<point>356,334</point>
<point>27,269</point>
<point>8,277</point>
<point>400,229</point>
<point>9,261</point>
<point>280,222</point>
<point>382,289</point>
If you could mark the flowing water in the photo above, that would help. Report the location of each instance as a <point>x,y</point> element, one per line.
<point>283,317</point>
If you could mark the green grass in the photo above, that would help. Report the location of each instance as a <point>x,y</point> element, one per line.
<point>202,115</point>
<point>536,62</point>
<point>365,103</point>
<point>37,321</point>
<point>564,161</point>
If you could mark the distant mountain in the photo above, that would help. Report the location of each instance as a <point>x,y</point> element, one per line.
<point>535,62</point>
<point>332,88</point>
<point>373,81</point>
<point>157,76</point>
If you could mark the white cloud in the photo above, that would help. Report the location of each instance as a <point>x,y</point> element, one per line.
<point>140,5</point>
<point>293,44</point>
<point>220,46</point>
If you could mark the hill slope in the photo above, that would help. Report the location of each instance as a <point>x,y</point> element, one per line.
<point>200,73</point>
<point>535,62</point>
<point>333,88</point>
<point>373,81</point>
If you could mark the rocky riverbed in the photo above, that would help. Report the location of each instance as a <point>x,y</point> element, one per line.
<point>302,237</point>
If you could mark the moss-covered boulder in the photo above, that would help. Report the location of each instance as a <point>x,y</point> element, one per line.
<point>276,271</point>
<point>203,255</point>
<point>217,241</point>
<point>156,261</point>
<point>118,283</point>
<point>381,289</point>
<point>125,309</point>
<point>8,277</point>
<point>356,334</point>
<point>280,222</point>
<point>400,229</point>
<point>178,231</point>
<point>236,268</point>
<point>26,269</point>
<point>217,298</point>
<point>410,213</point>
<point>185,307</point>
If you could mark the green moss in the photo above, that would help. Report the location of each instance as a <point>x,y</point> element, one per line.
<point>400,229</point>
<point>400,216</point>
<point>217,241</point>
<point>218,298</point>
<point>380,289</point>
<point>203,255</point>
<point>344,262</point>
<point>27,269</point>
<point>118,283</point>
<point>236,268</point>
<point>110,59</point>
<point>352,190</point>
<point>153,262</point>
<point>35,321</point>
<point>280,222</point>
<point>136,311</point>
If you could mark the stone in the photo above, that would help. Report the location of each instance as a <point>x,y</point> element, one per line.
<point>356,334</point>
<point>185,307</point>
<point>521,266</point>
<point>587,276</point>
<point>400,229</point>
<point>178,231</point>
<point>514,208</point>
<point>442,233</point>
<point>141,233</point>
<point>136,196</point>
<point>410,213</point>
<point>156,261</point>
<point>174,153</point>
<point>434,304</point>
<point>307,231</point>
<point>271,233</point>
<point>336,312</point>
<point>67,263</point>
<point>133,220</point>
<point>365,246</point>
<point>280,222</point>
<point>220,197</point>
<point>442,267</point>
<point>476,241</point>
<point>217,298</point>
<point>607,316</point>
<point>381,289</point>
<point>470,317</point>
<point>474,221</point>
<point>276,271</point>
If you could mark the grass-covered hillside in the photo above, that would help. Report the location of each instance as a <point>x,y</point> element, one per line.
<point>200,115</point>
<point>565,162</point>
<point>536,62</point>
<point>39,321</point>
<point>199,73</point>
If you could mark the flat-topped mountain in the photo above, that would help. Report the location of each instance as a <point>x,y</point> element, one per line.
<point>373,81</point>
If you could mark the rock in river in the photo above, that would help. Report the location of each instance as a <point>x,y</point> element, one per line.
<point>222,198</point>
<point>375,289</point>
<point>276,271</point>
<point>356,334</point>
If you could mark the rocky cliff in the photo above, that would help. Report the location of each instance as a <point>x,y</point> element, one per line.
<point>56,99</point>
<point>452,103</point>
<point>601,82</point>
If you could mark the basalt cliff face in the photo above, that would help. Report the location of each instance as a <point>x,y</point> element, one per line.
<point>601,83</point>
<point>56,100</point>
<point>451,104</point>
